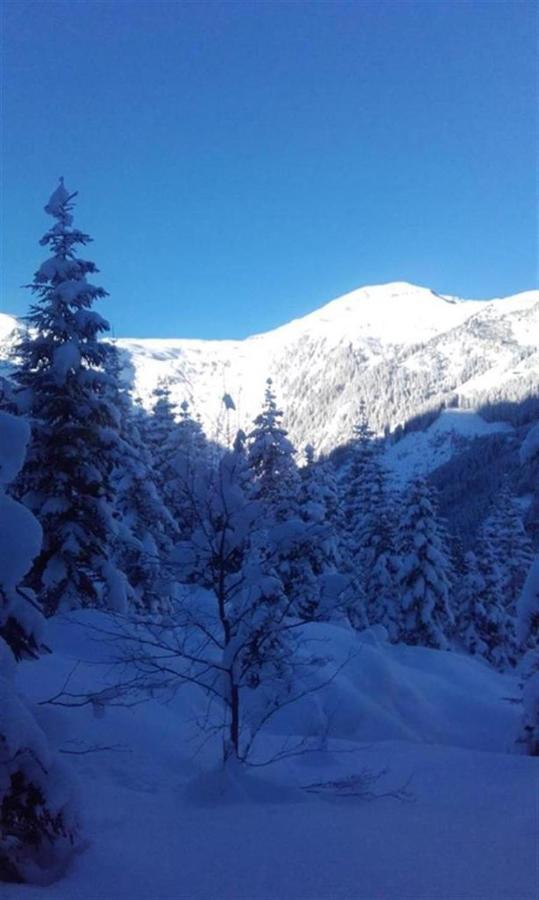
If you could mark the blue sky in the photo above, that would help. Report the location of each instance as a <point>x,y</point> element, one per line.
<point>240,163</point>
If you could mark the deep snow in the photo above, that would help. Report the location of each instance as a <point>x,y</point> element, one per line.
<point>162,820</point>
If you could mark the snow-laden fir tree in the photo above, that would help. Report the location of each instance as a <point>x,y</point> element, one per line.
<point>145,527</point>
<point>381,567</point>
<point>358,501</point>
<point>330,587</point>
<point>527,631</point>
<point>425,571</point>
<point>64,387</point>
<point>369,516</point>
<point>485,623</point>
<point>272,461</point>
<point>470,613</point>
<point>319,488</point>
<point>159,435</point>
<point>179,450</point>
<point>504,531</point>
<point>192,441</point>
<point>298,544</point>
<point>37,821</point>
<point>528,607</point>
<point>488,591</point>
<point>528,635</point>
<point>483,626</point>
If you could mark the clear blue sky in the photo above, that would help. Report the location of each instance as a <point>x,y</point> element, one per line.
<point>240,163</point>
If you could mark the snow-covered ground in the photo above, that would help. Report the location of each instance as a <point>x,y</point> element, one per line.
<point>163,822</point>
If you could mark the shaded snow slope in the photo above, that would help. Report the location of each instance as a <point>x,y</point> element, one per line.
<point>421,452</point>
<point>402,348</point>
<point>164,822</point>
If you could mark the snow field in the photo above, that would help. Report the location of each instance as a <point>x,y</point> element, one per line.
<point>164,821</point>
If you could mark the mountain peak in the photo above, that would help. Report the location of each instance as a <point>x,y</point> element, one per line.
<point>394,313</point>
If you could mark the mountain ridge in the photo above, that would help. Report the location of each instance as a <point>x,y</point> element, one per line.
<point>403,349</point>
<point>353,348</point>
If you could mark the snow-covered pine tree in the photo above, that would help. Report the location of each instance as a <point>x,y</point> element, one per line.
<point>159,430</point>
<point>485,623</point>
<point>162,419</point>
<point>37,822</point>
<point>528,607</point>
<point>504,531</point>
<point>64,387</point>
<point>190,459</point>
<point>381,567</point>
<point>475,624</point>
<point>192,441</point>
<point>145,526</point>
<point>369,528</point>
<point>528,628</point>
<point>426,617</point>
<point>296,539</point>
<point>179,450</point>
<point>528,634</point>
<point>319,491</point>
<point>358,498</point>
<point>503,557</point>
<point>329,584</point>
<point>271,459</point>
<point>468,588</point>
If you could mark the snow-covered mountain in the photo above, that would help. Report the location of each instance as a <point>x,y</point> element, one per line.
<point>404,349</point>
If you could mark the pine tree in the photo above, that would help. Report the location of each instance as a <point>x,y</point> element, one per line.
<point>528,607</point>
<point>328,586</point>
<point>495,622</point>
<point>368,524</point>
<point>271,458</point>
<point>145,526</point>
<point>319,491</point>
<point>506,535</point>
<point>381,567</point>
<point>66,479</point>
<point>37,822</point>
<point>425,572</point>
<point>479,621</point>
<point>159,432</point>
<point>180,450</point>
<point>528,628</point>
<point>295,542</point>
<point>528,635</point>
<point>503,556</point>
<point>359,501</point>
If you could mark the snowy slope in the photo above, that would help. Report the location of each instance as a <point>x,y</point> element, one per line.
<point>421,452</point>
<point>403,348</point>
<point>163,822</point>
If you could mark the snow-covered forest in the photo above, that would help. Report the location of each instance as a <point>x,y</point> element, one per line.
<point>205,640</point>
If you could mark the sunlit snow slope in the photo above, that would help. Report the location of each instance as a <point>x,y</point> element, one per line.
<point>402,348</point>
